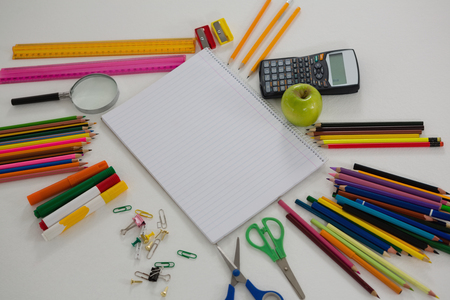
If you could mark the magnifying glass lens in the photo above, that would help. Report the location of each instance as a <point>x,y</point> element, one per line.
<point>94,93</point>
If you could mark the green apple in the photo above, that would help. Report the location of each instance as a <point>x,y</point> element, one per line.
<point>301,104</point>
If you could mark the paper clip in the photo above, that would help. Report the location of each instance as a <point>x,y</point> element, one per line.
<point>139,245</point>
<point>162,220</point>
<point>143,213</point>
<point>186,254</point>
<point>151,247</point>
<point>164,264</point>
<point>155,273</point>
<point>122,209</point>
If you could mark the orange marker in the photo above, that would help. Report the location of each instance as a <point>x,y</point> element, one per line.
<point>66,183</point>
<point>264,34</point>
<point>249,31</point>
<point>275,40</point>
<point>360,261</point>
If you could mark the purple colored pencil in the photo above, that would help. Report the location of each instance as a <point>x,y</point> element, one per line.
<point>435,206</point>
<point>388,184</point>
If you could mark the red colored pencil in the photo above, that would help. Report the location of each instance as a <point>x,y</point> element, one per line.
<point>384,145</point>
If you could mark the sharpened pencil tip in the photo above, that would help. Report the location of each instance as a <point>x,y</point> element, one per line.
<point>435,252</point>
<point>398,254</point>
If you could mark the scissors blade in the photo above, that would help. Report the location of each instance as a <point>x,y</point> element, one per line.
<point>284,266</point>
<point>237,261</point>
<point>232,266</point>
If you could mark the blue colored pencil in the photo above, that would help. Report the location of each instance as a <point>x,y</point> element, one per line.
<point>406,220</point>
<point>342,200</point>
<point>342,228</point>
<point>353,227</point>
<point>36,166</point>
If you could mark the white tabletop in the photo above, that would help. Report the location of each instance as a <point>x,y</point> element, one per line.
<point>402,49</point>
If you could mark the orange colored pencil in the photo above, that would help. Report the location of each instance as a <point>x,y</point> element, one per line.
<point>45,169</point>
<point>78,152</point>
<point>264,34</point>
<point>40,151</point>
<point>275,40</point>
<point>76,121</point>
<point>335,242</point>
<point>249,31</point>
<point>42,174</point>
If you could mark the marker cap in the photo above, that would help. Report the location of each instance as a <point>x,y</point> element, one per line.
<point>108,183</point>
<point>113,192</point>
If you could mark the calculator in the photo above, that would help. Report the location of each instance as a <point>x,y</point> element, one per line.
<point>331,73</point>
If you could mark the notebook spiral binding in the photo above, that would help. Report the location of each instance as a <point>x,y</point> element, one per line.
<point>296,131</point>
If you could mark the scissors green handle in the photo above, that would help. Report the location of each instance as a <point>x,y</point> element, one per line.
<point>274,254</point>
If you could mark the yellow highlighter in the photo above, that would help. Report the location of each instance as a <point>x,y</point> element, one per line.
<point>84,211</point>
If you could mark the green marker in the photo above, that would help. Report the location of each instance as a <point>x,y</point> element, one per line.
<point>57,202</point>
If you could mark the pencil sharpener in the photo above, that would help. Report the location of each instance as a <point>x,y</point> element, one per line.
<point>222,31</point>
<point>204,37</point>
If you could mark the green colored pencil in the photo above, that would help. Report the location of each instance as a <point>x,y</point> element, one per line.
<point>41,122</point>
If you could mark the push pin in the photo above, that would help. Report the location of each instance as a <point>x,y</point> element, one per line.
<point>146,238</point>
<point>151,247</point>
<point>164,293</point>
<point>137,221</point>
<point>155,273</point>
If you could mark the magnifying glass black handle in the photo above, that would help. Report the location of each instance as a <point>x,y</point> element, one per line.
<point>35,99</point>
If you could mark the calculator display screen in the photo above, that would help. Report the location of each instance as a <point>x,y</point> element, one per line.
<point>337,69</point>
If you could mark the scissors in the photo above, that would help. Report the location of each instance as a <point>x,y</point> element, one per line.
<point>277,255</point>
<point>237,277</point>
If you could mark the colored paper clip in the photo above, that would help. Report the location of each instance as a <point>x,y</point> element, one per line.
<point>222,31</point>
<point>143,213</point>
<point>164,264</point>
<point>122,209</point>
<point>187,254</point>
<point>155,273</point>
<point>162,220</point>
<point>204,37</point>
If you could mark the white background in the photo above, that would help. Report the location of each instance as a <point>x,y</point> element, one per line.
<point>402,49</point>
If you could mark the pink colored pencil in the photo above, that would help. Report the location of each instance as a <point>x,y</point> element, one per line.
<point>39,161</point>
<point>84,139</point>
<point>316,234</point>
<point>41,174</point>
<point>380,187</point>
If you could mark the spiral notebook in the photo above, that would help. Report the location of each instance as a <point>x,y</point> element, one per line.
<point>214,145</point>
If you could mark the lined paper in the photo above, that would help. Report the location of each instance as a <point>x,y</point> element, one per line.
<point>213,145</point>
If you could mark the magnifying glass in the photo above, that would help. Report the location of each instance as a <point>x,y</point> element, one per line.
<point>91,94</point>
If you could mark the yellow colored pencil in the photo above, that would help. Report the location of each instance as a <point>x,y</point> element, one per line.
<point>375,231</point>
<point>390,140</point>
<point>365,136</point>
<point>45,141</point>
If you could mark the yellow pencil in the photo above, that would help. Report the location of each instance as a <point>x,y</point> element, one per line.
<point>45,141</point>
<point>249,31</point>
<point>365,136</point>
<point>375,231</point>
<point>264,34</point>
<point>275,39</point>
<point>396,140</point>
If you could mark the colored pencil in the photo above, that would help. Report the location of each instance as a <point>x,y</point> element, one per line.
<point>351,254</point>
<point>39,161</point>
<point>364,136</point>
<point>437,245</point>
<point>387,227</point>
<point>425,202</point>
<point>47,125</point>
<point>84,125</point>
<point>385,205</point>
<point>432,224</point>
<point>405,127</point>
<point>41,151</point>
<point>41,122</point>
<point>45,169</point>
<point>364,132</point>
<point>384,145</point>
<point>45,137</point>
<point>404,180</point>
<point>42,174</point>
<point>43,133</point>
<point>336,259</point>
<point>49,140</point>
<point>413,207</point>
<point>390,184</point>
<point>346,230</point>
<point>376,231</point>
<point>57,152</point>
<point>351,226</point>
<point>383,261</point>
<point>37,166</point>
<point>51,144</point>
<point>379,140</point>
<point>307,227</point>
<point>419,225</point>
<point>249,31</point>
<point>353,124</point>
